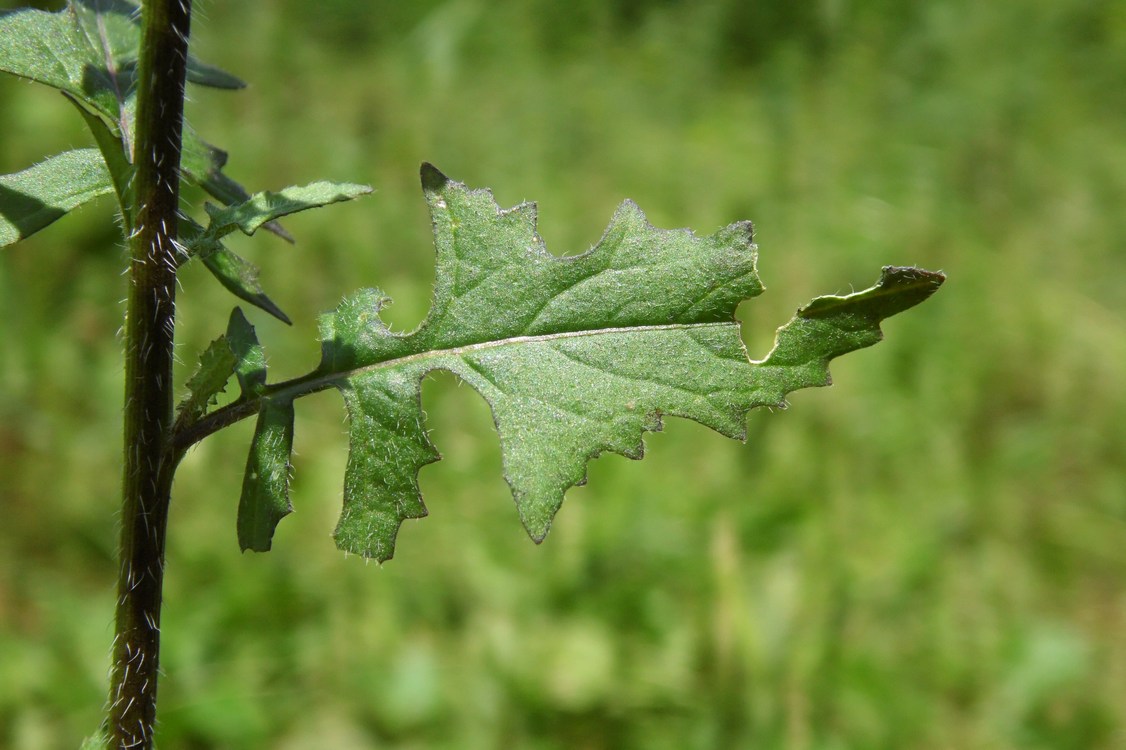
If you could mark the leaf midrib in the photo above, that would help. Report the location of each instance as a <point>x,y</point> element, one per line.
<point>317,381</point>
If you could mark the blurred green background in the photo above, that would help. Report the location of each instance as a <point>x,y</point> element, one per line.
<point>931,554</point>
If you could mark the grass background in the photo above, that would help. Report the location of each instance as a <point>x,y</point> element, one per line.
<point>931,554</point>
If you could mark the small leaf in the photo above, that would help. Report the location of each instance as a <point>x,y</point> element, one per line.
<point>203,74</point>
<point>216,366</point>
<point>575,356</point>
<point>241,279</point>
<point>265,486</point>
<point>203,163</point>
<point>239,276</point>
<point>113,153</point>
<point>264,207</point>
<point>35,197</point>
<point>251,358</point>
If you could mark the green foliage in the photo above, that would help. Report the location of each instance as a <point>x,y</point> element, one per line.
<point>929,555</point>
<point>35,197</point>
<point>259,210</point>
<point>576,356</point>
<point>89,52</point>
<point>216,365</point>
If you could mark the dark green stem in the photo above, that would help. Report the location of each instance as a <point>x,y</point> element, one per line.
<point>150,458</point>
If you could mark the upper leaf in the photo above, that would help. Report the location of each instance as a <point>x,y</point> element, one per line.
<point>89,50</point>
<point>262,208</point>
<point>236,274</point>
<point>576,355</point>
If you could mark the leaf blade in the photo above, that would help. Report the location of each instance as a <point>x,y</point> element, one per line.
<point>264,207</point>
<point>240,277</point>
<point>265,489</point>
<point>117,162</point>
<point>217,364</point>
<point>575,356</point>
<point>36,197</point>
<point>388,444</point>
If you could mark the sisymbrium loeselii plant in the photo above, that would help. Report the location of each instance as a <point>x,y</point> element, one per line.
<point>576,355</point>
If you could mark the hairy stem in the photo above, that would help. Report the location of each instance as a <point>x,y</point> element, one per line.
<point>150,458</point>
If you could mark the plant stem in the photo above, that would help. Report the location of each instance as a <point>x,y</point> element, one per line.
<point>150,459</point>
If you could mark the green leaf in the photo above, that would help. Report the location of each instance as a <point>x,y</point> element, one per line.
<point>203,74</point>
<point>265,487</point>
<point>203,165</point>
<point>89,50</point>
<point>216,366</point>
<point>251,367</point>
<point>264,207</point>
<point>240,277</point>
<point>35,197</point>
<point>113,153</point>
<point>575,356</point>
<point>237,352</point>
<point>258,210</point>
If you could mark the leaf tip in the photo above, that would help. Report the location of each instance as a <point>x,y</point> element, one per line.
<point>433,179</point>
<point>912,285</point>
<point>928,281</point>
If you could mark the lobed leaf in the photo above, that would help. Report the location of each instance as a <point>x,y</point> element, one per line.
<point>216,366</point>
<point>575,356</point>
<point>37,196</point>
